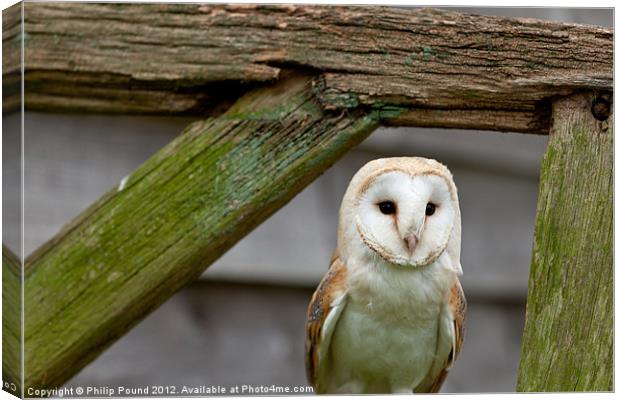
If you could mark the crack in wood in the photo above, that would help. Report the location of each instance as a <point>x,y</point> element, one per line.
<point>415,58</point>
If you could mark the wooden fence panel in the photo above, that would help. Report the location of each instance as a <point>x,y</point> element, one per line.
<point>183,208</point>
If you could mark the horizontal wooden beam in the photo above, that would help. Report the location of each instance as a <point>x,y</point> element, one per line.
<point>181,58</point>
<point>171,218</point>
<point>534,121</point>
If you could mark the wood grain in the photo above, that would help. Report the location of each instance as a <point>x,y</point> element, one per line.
<point>535,121</point>
<point>182,58</point>
<point>171,218</point>
<point>568,338</point>
<point>11,57</point>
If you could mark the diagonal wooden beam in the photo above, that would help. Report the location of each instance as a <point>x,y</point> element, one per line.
<point>171,218</point>
<point>181,58</point>
<point>568,337</point>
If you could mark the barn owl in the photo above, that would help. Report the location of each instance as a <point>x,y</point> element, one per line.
<point>388,315</point>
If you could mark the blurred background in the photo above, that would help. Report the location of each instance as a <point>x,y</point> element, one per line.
<point>243,321</point>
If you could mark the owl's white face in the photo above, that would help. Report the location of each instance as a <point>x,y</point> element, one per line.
<point>406,218</point>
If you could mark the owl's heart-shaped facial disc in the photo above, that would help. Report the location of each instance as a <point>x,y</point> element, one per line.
<point>404,210</point>
<point>414,229</point>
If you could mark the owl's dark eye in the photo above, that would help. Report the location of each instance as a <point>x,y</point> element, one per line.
<point>387,207</point>
<point>430,209</point>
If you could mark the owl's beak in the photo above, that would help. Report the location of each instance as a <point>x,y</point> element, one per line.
<point>411,241</point>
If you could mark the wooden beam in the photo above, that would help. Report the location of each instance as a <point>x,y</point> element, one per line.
<point>568,338</point>
<point>535,121</point>
<point>11,58</point>
<point>177,58</point>
<point>11,322</point>
<point>171,218</point>
<point>12,337</point>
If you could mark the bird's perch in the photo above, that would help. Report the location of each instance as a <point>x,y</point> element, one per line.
<point>356,67</point>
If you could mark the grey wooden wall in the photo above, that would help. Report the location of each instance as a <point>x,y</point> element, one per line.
<point>243,322</point>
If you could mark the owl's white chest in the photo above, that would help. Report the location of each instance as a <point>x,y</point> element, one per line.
<point>386,338</point>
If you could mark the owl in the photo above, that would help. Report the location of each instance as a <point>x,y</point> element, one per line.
<point>388,315</point>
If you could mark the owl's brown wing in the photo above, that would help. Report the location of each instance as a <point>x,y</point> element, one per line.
<point>454,331</point>
<point>323,312</point>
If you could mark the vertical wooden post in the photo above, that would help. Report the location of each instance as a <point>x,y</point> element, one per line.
<point>11,322</point>
<point>568,337</point>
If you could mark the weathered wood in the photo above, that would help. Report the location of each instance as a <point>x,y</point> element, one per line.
<point>171,218</point>
<point>536,121</point>
<point>568,338</point>
<point>130,57</point>
<point>11,57</point>
<point>11,322</point>
<point>11,264</point>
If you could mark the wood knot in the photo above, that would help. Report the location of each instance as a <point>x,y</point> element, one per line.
<point>601,106</point>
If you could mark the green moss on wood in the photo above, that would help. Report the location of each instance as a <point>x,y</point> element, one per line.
<point>11,322</point>
<point>385,111</point>
<point>427,52</point>
<point>568,337</point>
